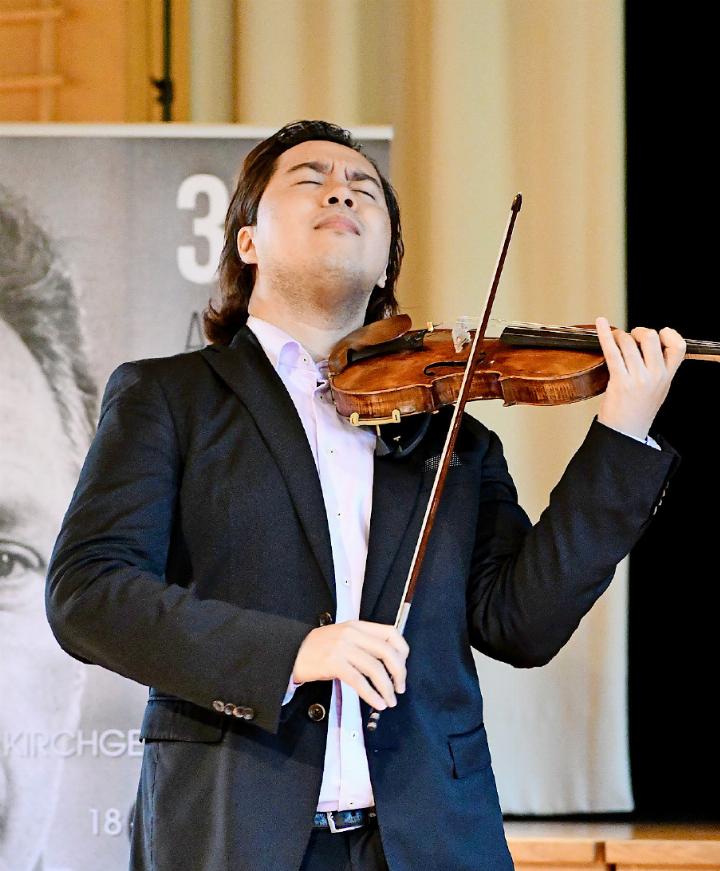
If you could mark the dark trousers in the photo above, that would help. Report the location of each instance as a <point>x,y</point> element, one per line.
<point>356,850</point>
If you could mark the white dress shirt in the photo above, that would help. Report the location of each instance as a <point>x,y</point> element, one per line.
<point>344,459</point>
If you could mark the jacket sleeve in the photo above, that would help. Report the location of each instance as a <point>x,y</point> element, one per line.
<point>106,597</point>
<point>530,585</point>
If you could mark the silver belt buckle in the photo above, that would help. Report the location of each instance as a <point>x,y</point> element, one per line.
<point>333,827</point>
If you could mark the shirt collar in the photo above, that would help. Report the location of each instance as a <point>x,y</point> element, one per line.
<point>283,350</point>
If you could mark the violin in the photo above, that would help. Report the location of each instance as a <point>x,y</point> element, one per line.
<point>386,370</point>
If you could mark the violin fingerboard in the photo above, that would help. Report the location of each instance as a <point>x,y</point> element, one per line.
<point>579,341</point>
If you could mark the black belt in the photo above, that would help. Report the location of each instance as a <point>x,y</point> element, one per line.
<point>344,821</point>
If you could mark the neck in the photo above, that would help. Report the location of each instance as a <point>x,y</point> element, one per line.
<point>318,329</point>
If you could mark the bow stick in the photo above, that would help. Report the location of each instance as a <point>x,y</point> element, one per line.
<point>447,452</point>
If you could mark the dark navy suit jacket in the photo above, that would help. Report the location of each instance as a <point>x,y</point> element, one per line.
<point>195,556</point>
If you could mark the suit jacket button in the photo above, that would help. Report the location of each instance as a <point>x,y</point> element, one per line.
<point>238,711</point>
<point>248,713</point>
<point>316,712</point>
<point>219,706</point>
<point>325,619</point>
<point>229,708</point>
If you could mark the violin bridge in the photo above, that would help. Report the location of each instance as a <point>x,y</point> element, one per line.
<point>460,333</point>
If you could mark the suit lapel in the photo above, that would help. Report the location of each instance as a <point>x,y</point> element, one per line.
<point>245,368</point>
<point>396,488</point>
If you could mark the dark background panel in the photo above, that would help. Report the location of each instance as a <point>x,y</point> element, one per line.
<point>674,570</point>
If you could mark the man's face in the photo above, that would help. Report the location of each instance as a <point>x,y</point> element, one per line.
<point>322,221</point>
<point>40,685</point>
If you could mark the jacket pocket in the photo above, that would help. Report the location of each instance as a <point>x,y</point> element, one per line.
<point>180,720</point>
<point>469,751</point>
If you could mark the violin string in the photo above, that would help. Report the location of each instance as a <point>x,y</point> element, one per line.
<point>695,344</point>
<point>706,343</point>
<point>540,327</point>
<point>544,329</point>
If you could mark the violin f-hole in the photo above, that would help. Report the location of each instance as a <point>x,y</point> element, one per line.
<point>459,364</point>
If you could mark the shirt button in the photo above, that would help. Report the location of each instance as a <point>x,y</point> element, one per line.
<point>316,712</point>
<point>353,735</point>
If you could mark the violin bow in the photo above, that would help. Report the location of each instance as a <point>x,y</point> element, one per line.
<point>449,447</point>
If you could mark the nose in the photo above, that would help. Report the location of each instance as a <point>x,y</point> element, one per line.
<point>340,193</point>
<point>333,201</point>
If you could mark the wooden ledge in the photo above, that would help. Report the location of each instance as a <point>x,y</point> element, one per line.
<point>28,16</point>
<point>549,846</point>
<point>30,83</point>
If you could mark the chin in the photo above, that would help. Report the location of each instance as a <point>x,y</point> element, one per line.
<point>344,279</point>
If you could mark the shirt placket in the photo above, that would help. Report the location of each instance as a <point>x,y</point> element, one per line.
<point>341,507</point>
<point>326,463</point>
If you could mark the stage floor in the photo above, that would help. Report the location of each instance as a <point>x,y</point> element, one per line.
<point>569,846</point>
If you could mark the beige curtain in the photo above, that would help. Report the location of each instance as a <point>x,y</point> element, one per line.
<point>487,98</point>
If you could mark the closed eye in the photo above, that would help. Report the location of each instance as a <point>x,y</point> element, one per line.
<point>356,190</point>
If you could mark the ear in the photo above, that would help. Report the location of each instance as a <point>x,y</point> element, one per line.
<point>383,278</point>
<point>245,245</point>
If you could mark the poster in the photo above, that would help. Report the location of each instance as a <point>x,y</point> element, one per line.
<point>109,243</point>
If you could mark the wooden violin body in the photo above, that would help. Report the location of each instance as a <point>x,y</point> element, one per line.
<point>376,389</point>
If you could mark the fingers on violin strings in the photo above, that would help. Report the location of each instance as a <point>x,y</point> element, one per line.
<point>611,351</point>
<point>674,347</point>
<point>651,348</point>
<point>631,352</point>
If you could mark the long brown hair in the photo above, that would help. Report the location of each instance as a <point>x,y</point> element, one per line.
<point>236,279</point>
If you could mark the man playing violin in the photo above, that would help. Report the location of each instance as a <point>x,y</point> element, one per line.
<point>241,549</point>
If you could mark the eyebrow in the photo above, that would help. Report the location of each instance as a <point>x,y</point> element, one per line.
<point>324,168</point>
<point>21,513</point>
